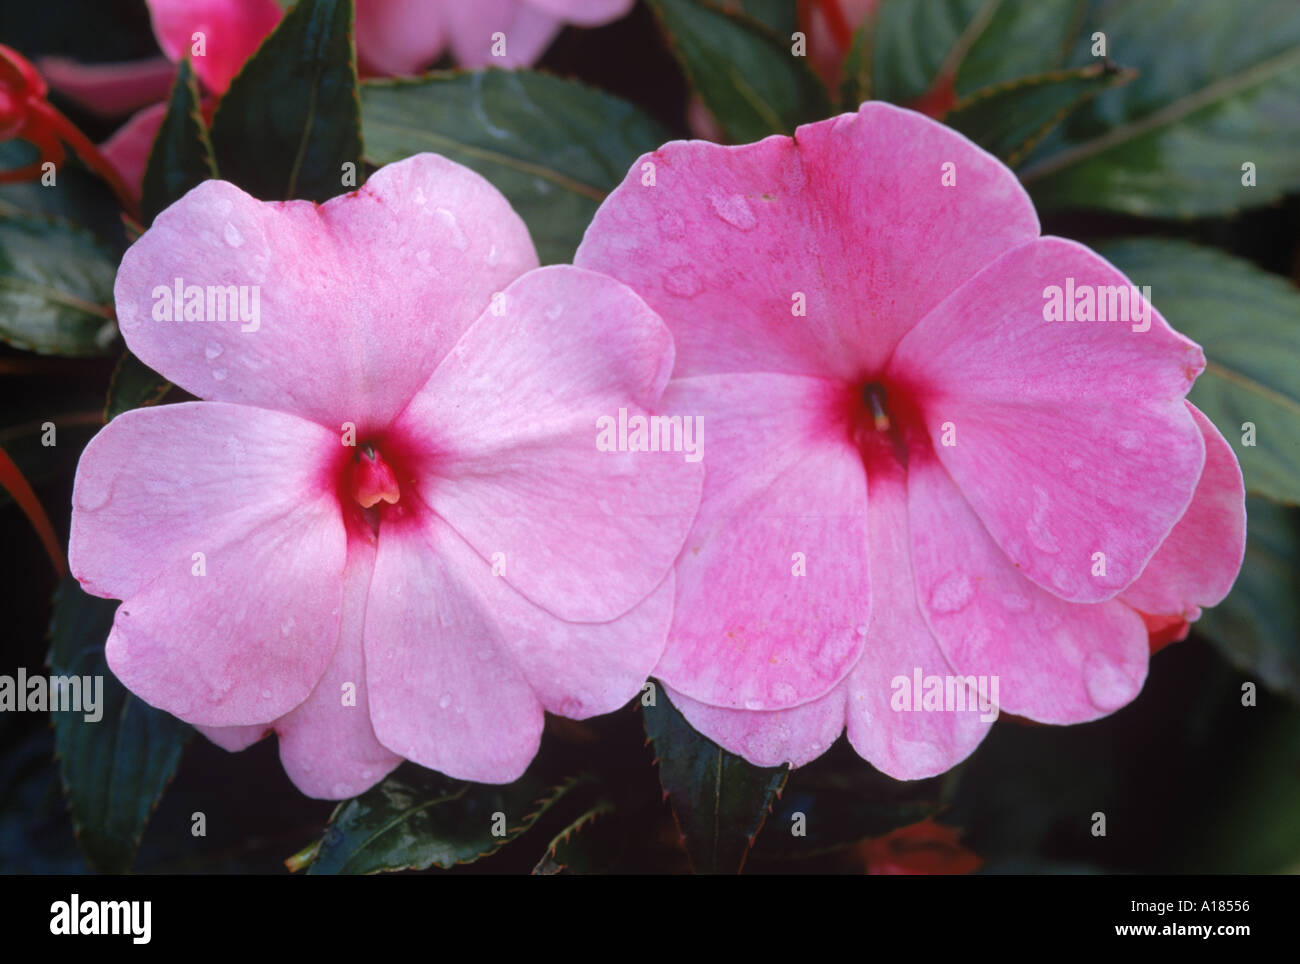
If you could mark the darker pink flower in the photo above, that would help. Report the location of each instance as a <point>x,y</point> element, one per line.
<point>387,531</point>
<point>393,37</point>
<point>912,474</point>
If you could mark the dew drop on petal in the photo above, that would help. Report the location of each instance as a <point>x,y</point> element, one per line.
<point>444,701</point>
<point>266,694</point>
<point>233,237</point>
<point>784,694</point>
<point>493,255</point>
<point>286,627</point>
<point>953,594</point>
<point>211,350</point>
<point>753,704</point>
<point>457,235</point>
<point>735,210</point>
<point>219,374</point>
<point>1109,686</point>
<point>682,281</point>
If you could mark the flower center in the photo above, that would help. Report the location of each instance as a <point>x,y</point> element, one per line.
<point>881,420</point>
<point>373,479</point>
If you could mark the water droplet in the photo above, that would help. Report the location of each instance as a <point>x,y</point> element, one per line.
<point>233,237</point>
<point>671,226</point>
<point>212,350</point>
<point>735,210</point>
<point>861,630</point>
<point>419,195</point>
<point>219,374</point>
<point>457,235</point>
<point>683,281</point>
<point>753,704</point>
<point>554,312</point>
<point>952,594</point>
<point>286,627</point>
<point>1130,441</point>
<point>444,701</point>
<point>570,707</point>
<point>493,255</point>
<point>1109,686</point>
<point>266,694</point>
<point>340,790</point>
<point>1014,602</point>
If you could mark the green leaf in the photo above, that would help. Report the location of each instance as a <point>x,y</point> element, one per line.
<point>1009,119</point>
<point>745,73</point>
<point>573,849</point>
<point>56,288</point>
<point>1248,322</point>
<point>181,155</point>
<point>133,385</point>
<point>720,800</point>
<point>291,120</point>
<point>114,770</point>
<point>1258,626</point>
<point>553,147</point>
<point>1218,88</point>
<point>417,818</point>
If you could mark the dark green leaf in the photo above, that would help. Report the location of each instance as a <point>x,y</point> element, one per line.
<point>134,384</point>
<point>578,848</point>
<point>1258,626</point>
<point>915,45</point>
<point>114,770</point>
<point>1218,88</point>
<point>747,75</point>
<point>56,288</point>
<point>418,818</point>
<point>1248,322</point>
<point>1009,119</point>
<point>720,800</point>
<point>181,155</point>
<point>553,147</point>
<point>290,120</point>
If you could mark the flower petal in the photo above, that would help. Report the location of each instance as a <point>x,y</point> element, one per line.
<point>128,149</point>
<point>240,635</point>
<point>1071,438</point>
<point>851,217</point>
<point>327,744</point>
<point>585,13</point>
<point>769,738</point>
<point>1057,661</point>
<point>358,299</point>
<point>1198,563</point>
<point>912,744</point>
<point>445,690</point>
<point>399,37</point>
<point>772,592</point>
<point>112,89</point>
<point>505,437</point>
<point>232,30</point>
<point>527,31</point>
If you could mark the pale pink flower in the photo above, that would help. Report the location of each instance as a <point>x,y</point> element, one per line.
<point>471,561</point>
<point>924,319</point>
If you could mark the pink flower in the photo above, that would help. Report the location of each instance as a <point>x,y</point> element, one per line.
<point>911,472</point>
<point>387,531</point>
<point>393,38</point>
